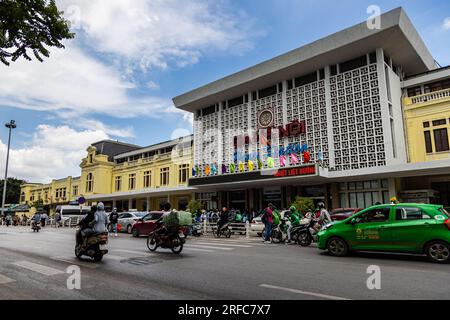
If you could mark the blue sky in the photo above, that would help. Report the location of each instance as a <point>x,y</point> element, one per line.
<point>131,57</point>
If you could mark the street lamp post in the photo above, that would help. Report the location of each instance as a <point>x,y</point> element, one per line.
<point>11,125</point>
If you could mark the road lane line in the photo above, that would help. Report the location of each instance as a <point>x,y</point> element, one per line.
<point>307,293</point>
<point>46,271</point>
<point>74,261</point>
<point>224,244</point>
<point>207,247</point>
<point>199,250</point>
<point>140,253</point>
<point>5,280</point>
<point>118,258</point>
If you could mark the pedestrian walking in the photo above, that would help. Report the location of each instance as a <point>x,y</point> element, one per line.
<point>267,219</point>
<point>8,220</point>
<point>113,220</point>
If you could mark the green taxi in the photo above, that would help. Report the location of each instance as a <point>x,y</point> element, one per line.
<point>406,228</point>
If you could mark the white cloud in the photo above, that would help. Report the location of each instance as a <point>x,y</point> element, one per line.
<point>72,84</point>
<point>152,85</point>
<point>52,153</point>
<point>446,24</point>
<point>160,32</point>
<point>128,35</point>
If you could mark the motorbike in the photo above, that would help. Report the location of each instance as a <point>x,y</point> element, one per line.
<point>35,226</point>
<point>224,231</point>
<point>307,234</point>
<point>196,230</point>
<point>94,246</point>
<point>279,233</point>
<point>167,239</point>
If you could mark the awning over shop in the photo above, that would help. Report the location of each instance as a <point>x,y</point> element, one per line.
<point>150,193</point>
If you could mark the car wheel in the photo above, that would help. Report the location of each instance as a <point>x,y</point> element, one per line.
<point>135,232</point>
<point>337,247</point>
<point>438,251</point>
<point>129,229</point>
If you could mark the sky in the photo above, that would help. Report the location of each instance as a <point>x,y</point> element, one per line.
<point>129,58</point>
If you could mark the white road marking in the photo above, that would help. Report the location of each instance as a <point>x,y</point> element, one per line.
<point>5,280</point>
<point>208,247</point>
<point>319,295</point>
<point>74,261</point>
<point>140,253</point>
<point>46,271</point>
<point>118,258</point>
<point>226,244</point>
<point>199,250</point>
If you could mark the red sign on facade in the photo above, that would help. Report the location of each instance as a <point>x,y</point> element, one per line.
<point>297,171</point>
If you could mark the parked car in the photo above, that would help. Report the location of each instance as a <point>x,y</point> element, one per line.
<point>343,213</point>
<point>406,228</point>
<point>127,219</point>
<point>143,226</point>
<point>256,227</point>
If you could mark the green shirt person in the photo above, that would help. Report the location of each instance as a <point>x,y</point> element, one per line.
<point>294,218</point>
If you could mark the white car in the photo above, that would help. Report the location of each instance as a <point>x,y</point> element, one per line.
<point>127,219</point>
<point>256,227</point>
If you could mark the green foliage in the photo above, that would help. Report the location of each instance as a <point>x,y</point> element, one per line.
<point>12,191</point>
<point>303,204</point>
<point>31,25</point>
<point>194,205</point>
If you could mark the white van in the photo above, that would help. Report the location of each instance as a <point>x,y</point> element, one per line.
<point>72,211</point>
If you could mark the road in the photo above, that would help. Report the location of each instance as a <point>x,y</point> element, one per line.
<point>34,266</point>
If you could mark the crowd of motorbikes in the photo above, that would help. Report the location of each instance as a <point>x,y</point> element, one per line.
<point>303,234</point>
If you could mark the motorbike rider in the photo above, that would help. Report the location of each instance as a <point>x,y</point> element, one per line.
<point>166,209</point>
<point>86,225</point>
<point>223,219</point>
<point>294,218</point>
<point>323,217</point>
<point>36,219</point>
<point>100,220</point>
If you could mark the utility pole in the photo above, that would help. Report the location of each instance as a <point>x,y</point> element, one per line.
<point>11,125</point>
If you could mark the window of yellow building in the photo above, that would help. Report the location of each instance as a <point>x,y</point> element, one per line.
<point>118,183</point>
<point>437,133</point>
<point>89,182</point>
<point>183,173</point>
<point>147,179</point>
<point>132,181</point>
<point>164,176</point>
<point>22,197</point>
<point>75,191</point>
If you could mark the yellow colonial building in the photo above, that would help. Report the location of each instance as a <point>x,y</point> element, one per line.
<point>426,106</point>
<point>124,176</point>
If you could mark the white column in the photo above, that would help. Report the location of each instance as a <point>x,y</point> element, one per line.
<point>148,204</point>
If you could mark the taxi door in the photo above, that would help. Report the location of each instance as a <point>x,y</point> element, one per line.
<point>372,230</point>
<point>411,228</point>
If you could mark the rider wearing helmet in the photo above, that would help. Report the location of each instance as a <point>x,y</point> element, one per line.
<point>294,218</point>
<point>323,217</point>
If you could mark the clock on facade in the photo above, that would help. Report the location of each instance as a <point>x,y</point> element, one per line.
<point>266,118</point>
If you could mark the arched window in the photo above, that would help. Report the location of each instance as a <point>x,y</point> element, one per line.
<point>90,182</point>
